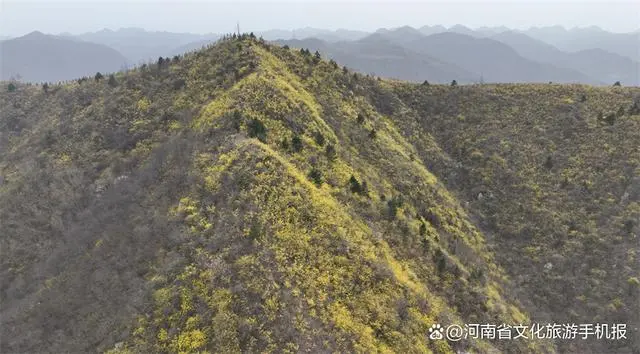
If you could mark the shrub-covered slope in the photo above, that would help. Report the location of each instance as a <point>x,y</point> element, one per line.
<point>551,173</point>
<point>252,198</point>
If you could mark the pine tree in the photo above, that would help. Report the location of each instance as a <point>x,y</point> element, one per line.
<point>112,81</point>
<point>330,151</point>
<point>285,143</point>
<point>296,143</point>
<point>316,176</point>
<point>257,130</point>
<point>319,138</point>
<point>354,185</point>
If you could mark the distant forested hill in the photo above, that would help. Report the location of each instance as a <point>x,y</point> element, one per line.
<point>37,57</point>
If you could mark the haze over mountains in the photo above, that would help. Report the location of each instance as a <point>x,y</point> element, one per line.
<point>37,57</point>
<point>442,57</point>
<point>138,45</point>
<point>433,53</point>
<point>577,39</point>
<point>378,55</point>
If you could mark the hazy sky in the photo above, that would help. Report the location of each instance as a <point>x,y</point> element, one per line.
<point>18,17</point>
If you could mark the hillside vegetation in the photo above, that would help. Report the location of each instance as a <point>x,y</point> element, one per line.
<point>552,175</point>
<point>253,198</point>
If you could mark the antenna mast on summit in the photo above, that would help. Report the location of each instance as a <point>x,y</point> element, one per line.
<point>238,27</point>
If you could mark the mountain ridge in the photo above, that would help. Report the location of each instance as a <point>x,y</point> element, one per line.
<point>573,64</point>
<point>597,63</point>
<point>250,197</point>
<point>378,55</point>
<point>288,259</point>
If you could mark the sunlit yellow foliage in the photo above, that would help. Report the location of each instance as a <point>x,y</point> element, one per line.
<point>143,105</point>
<point>189,342</point>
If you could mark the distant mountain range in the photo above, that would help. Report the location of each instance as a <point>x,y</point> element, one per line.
<point>577,39</point>
<point>596,62</point>
<point>308,32</point>
<point>435,53</point>
<point>428,54</point>
<point>378,55</point>
<point>493,60</point>
<point>139,45</point>
<point>37,57</point>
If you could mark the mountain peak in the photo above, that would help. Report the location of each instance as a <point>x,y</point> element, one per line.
<point>406,29</point>
<point>34,35</point>
<point>275,205</point>
<point>39,57</point>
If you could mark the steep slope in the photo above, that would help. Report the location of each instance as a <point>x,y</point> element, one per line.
<point>494,61</point>
<point>37,57</point>
<point>377,54</point>
<point>243,198</point>
<point>552,173</point>
<point>596,63</point>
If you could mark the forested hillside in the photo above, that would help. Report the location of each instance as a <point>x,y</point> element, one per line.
<point>254,198</point>
<point>552,175</point>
